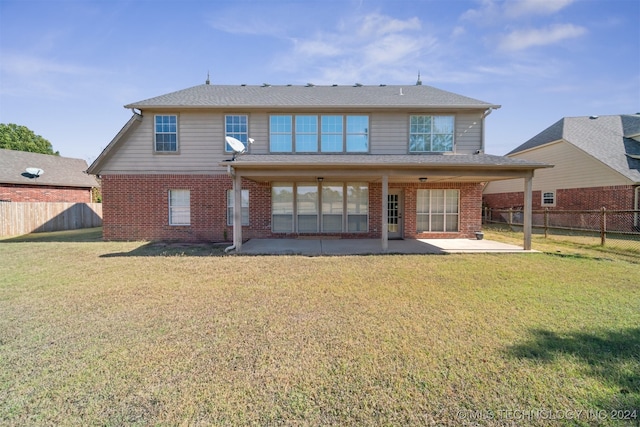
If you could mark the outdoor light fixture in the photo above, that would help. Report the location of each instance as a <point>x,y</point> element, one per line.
<point>320,179</point>
<point>422,179</point>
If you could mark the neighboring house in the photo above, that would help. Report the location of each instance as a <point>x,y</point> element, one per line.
<point>597,164</point>
<point>344,161</point>
<point>62,179</point>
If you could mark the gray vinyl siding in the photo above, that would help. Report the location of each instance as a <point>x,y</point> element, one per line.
<point>389,133</point>
<point>200,147</point>
<point>201,140</point>
<point>468,136</point>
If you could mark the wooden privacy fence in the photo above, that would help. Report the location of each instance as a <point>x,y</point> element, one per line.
<point>18,218</point>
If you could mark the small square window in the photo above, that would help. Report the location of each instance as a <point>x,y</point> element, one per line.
<point>548,198</point>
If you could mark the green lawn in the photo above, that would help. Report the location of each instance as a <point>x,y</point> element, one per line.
<point>95,333</point>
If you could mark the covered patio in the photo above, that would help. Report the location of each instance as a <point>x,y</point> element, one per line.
<point>320,246</point>
<point>385,170</point>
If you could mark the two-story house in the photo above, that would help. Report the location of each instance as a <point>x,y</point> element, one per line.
<point>386,162</point>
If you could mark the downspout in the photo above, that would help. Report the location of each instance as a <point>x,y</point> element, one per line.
<point>484,116</point>
<point>232,174</point>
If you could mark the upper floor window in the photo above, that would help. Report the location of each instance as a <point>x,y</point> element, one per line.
<point>430,134</point>
<point>166,133</point>
<point>236,127</point>
<point>357,134</point>
<point>331,134</point>
<point>313,133</point>
<point>280,137</point>
<point>307,134</point>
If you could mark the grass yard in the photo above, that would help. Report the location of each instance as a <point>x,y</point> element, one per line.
<point>106,333</point>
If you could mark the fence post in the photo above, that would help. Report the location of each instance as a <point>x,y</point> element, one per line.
<point>546,222</point>
<point>510,217</point>
<point>603,226</point>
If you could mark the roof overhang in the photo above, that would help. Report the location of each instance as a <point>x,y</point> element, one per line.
<point>371,168</point>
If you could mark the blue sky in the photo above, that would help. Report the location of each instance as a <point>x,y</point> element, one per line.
<point>67,67</point>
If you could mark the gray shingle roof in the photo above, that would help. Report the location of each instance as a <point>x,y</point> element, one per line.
<point>409,96</point>
<point>607,138</point>
<point>58,171</point>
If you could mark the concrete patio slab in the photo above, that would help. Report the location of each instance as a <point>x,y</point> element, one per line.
<point>315,247</point>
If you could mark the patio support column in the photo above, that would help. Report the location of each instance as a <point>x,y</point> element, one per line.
<point>528,203</point>
<point>237,211</point>
<point>385,213</point>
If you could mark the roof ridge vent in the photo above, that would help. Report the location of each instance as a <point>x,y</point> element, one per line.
<point>358,85</point>
<point>310,85</point>
<point>593,117</point>
<point>266,84</point>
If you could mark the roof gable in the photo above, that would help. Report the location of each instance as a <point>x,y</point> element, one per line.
<point>311,96</point>
<point>606,138</point>
<point>58,171</point>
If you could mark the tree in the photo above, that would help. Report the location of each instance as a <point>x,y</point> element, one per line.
<point>21,138</point>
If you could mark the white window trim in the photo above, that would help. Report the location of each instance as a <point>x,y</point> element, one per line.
<point>184,208</point>
<point>429,214</point>
<point>453,135</point>
<point>231,133</point>
<point>345,210</point>
<point>344,134</point>
<point>542,198</point>
<point>177,150</point>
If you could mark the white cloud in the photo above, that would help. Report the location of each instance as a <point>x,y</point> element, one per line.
<point>315,48</point>
<point>492,11</point>
<point>523,39</point>
<point>368,48</point>
<point>513,9</point>
<point>25,65</point>
<point>379,25</point>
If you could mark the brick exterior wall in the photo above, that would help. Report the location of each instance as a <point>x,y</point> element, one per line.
<point>619,197</point>
<point>136,207</point>
<point>31,193</point>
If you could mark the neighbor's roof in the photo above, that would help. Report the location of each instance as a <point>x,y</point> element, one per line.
<point>58,171</point>
<point>614,140</point>
<point>311,96</point>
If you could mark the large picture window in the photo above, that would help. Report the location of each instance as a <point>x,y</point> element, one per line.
<point>319,133</point>
<point>431,134</point>
<point>179,207</point>
<point>166,133</point>
<point>238,128</point>
<point>245,207</point>
<point>320,207</point>
<point>437,210</point>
